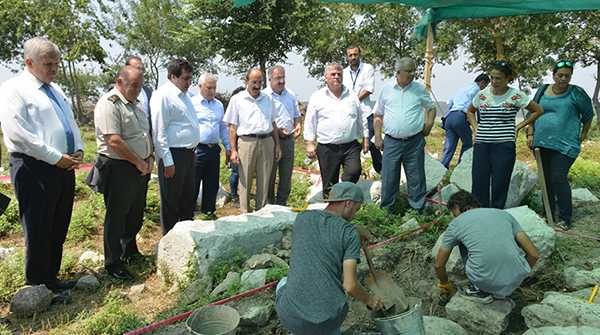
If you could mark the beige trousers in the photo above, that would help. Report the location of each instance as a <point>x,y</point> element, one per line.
<point>256,159</point>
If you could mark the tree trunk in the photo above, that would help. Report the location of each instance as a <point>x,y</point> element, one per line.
<point>263,69</point>
<point>67,77</point>
<point>73,77</point>
<point>595,100</point>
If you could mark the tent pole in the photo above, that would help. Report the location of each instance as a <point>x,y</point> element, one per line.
<point>429,57</point>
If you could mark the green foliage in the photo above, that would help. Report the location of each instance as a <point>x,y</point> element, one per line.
<point>12,276</point>
<point>86,218</point>
<point>4,330</point>
<point>232,262</point>
<point>276,273</point>
<point>114,318</point>
<point>300,188</point>
<point>585,173</point>
<point>378,221</point>
<point>152,210</point>
<point>82,190</point>
<point>9,221</point>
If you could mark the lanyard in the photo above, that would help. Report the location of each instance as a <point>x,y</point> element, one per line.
<point>354,78</point>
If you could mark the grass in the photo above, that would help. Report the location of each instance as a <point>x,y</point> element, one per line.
<point>86,219</point>
<point>12,276</point>
<point>233,262</point>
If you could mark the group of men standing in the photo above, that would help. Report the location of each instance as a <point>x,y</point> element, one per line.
<point>180,128</point>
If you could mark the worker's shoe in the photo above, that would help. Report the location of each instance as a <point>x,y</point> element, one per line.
<point>562,225</point>
<point>471,292</point>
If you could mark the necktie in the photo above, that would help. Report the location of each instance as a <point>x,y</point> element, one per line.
<point>62,117</point>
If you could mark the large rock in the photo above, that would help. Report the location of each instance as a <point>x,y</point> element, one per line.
<point>559,309</point>
<point>263,261</point>
<point>437,326</point>
<point>252,279</point>
<point>201,243</point>
<point>576,279</point>
<point>542,235</point>
<point>573,330</point>
<point>522,179</point>
<point>30,300</point>
<point>583,195</point>
<point>90,257</point>
<point>434,172</point>
<point>447,191</point>
<point>477,318</point>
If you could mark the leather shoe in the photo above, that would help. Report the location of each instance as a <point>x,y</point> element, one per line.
<point>61,285</point>
<point>63,298</point>
<point>119,273</point>
<point>131,258</point>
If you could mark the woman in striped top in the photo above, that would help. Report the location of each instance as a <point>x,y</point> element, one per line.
<point>494,151</point>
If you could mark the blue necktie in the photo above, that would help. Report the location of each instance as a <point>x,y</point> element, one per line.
<point>63,119</point>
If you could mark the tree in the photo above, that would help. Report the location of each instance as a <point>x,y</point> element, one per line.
<point>260,34</point>
<point>583,46</point>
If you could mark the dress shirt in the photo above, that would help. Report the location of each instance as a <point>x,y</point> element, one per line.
<point>29,120</point>
<point>174,121</point>
<point>210,120</point>
<point>143,102</point>
<point>462,100</point>
<point>361,79</point>
<point>403,109</point>
<point>289,100</point>
<point>250,115</point>
<point>330,119</point>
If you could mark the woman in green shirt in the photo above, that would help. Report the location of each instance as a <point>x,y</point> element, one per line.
<point>558,133</point>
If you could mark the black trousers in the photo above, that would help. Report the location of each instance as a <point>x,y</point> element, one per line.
<point>556,170</point>
<point>493,164</point>
<point>45,194</point>
<point>332,157</point>
<point>376,156</point>
<point>125,199</point>
<point>177,198</point>
<point>207,173</point>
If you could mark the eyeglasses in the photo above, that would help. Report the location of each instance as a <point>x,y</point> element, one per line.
<point>563,63</point>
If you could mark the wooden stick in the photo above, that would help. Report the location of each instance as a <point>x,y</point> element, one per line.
<point>542,180</point>
<point>593,295</point>
<point>428,58</point>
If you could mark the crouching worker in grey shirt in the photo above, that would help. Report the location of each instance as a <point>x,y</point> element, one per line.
<point>497,253</point>
<point>325,253</point>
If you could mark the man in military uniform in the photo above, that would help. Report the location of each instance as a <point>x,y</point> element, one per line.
<point>124,161</point>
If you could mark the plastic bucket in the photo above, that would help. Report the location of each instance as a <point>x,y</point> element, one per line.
<point>213,320</point>
<point>407,323</point>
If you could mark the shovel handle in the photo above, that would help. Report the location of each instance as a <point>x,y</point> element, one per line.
<point>369,262</point>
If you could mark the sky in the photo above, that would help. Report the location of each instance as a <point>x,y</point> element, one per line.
<point>447,80</point>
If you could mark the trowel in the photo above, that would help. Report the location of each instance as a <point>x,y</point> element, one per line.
<point>383,285</point>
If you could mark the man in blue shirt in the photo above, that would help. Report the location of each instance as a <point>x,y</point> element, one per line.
<point>455,120</point>
<point>405,113</point>
<point>209,111</point>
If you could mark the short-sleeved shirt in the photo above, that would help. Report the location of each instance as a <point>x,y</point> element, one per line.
<point>252,115</point>
<point>559,128</point>
<point>496,264</point>
<point>114,114</point>
<point>321,241</point>
<point>403,108</point>
<point>334,120</point>
<point>462,99</point>
<point>361,79</point>
<point>497,114</point>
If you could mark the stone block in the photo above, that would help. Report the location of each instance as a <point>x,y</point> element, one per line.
<point>558,309</point>
<point>264,261</point>
<point>255,313</point>
<point>437,326</point>
<point>580,195</point>
<point>231,279</point>
<point>201,243</point>
<point>30,300</point>
<point>477,318</point>
<point>252,279</point>
<point>573,330</point>
<point>576,279</point>
<point>87,283</point>
<point>542,235</point>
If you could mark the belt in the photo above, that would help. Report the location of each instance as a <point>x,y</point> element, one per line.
<point>209,145</point>
<point>339,144</point>
<point>403,138</point>
<point>181,149</point>
<point>285,137</point>
<point>259,136</point>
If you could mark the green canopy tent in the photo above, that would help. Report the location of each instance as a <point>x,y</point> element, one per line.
<point>435,11</point>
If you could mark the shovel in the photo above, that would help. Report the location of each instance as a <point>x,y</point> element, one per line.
<point>383,285</point>
<point>542,180</point>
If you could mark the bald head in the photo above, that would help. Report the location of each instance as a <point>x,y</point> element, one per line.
<point>129,82</point>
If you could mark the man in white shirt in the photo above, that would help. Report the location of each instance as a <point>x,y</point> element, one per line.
<point>254,138</point>
<point>334,120</point>
<point>289,128</point>
<point>360,77</point>
<point>45,148</point>
<point>213,130</point>
<point>176,135</point>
